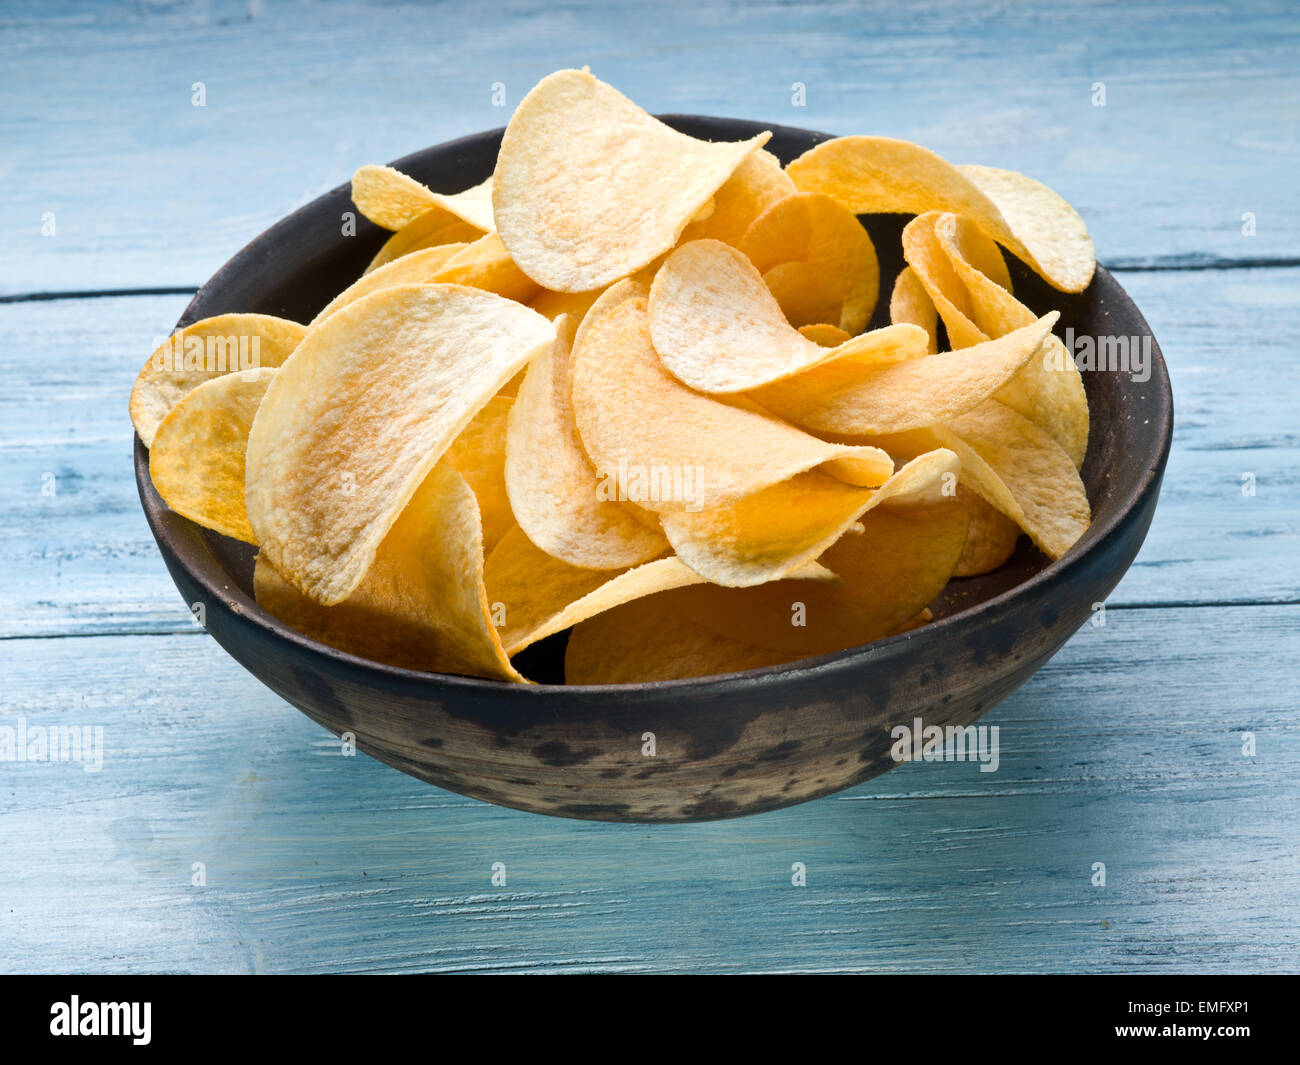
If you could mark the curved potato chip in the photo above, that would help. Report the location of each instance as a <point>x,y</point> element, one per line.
<point>202,351</point>
<point>718,328</point>
<point>825,334</point>
<point>554,489</point>
<point>771,533</point>
<point>434,229</point>
<point>873,175</point>
<point>419,267</point>
<point>590,187</point>
<point>757,183</point>
<point>197,459</point>
<point>392,199</point>
<point>479,455</point>
<point>1049,227</point>
<point>652,639</point>
<point>930,265</point>
<point>817,259</point>
<point>991,538</point>
<point>657,443</point>
<point>842,396</point>
<point>619,292</point>
<point>910,304</point>
<point>1051,385</point>
<point>541,595</point>
<point>486,265</point>
<point>901,561</point>
<point>1014,465</point>
<point>422,603</point>
<point>554,304</point>
<point>353,423</point>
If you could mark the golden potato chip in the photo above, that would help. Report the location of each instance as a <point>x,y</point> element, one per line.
<point>479,455</point>
<point>1048,226</point>
<point>756,184</point>
<point>202,351</point>
<point>901,561</point>
<point>931,266</point>
<point>554,490</point>
<point>825,334</point>
<point>652,640</point>
<point>392,199</point>
<point>486,265</point>
<point>538,595</point>
<point>351,426</point>
<point>1014,465</point>
<point>422,603</point>
<point>434,229</point>
<point>590,188</point>
<point>420,267</point>
<point>657,443</point>
<point>769,534</point>
<point>197,458</point>
<point>910,304</point>
<point>990,539</point>
<point>718,328</point>
<point>817,259</point>
<point>554,304</point>
<point>842,396</point>
<point>872,175</point>
<point>619,292</point>
<point>1049,390</point>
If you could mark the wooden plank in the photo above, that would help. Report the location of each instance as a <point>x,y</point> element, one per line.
<point>82,561</point>
<point>317,862</point>
<point>97,125</point>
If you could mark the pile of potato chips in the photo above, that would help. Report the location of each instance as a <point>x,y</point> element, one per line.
<point>622,387</point>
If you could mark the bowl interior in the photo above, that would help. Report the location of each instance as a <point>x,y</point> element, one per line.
<point>301,263</point>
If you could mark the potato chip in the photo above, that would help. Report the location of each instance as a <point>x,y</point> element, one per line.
<point>554,304</point>
<point>590,188</point>
<point>1014,465</point>
<point>197,458</point>
<point>657,443</point>
<point>651,640</point>
<point>554,489</point>
<point>842,396</point>
<point>392,199</point>
<point>420,267</point>
<point>930,265</point>
<point>539,595</point>
<point>422,603</point>
<point>757,183</point>
<point>769,534</point>
<point>1049,390</point>
<point>486,265</point>
<point>479,455</point>
<point>351,426</point>
<point>717,327</point>
<point>1048,226</point>
<point>910,304</point>
<point>900,562</point>
<point>875,175</point>
<point>825,334</point>
<point>202,351</point>
<point>817,259</point>
<point>434,229</point>
<point>991,537</point>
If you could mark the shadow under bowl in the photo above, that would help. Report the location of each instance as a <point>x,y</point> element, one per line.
<point>724,746</point>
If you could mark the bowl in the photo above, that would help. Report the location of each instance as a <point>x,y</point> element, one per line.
<point>725,746</point>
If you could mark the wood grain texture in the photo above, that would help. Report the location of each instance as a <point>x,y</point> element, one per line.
<point>97,124</point>
<point>318,862</point>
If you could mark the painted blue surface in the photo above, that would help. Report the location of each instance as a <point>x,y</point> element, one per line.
<point>1126,749</point>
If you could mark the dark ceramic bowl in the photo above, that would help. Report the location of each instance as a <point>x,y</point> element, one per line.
<point>728,745</point>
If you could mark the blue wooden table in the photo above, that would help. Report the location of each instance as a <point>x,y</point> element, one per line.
<point>223,831</point>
